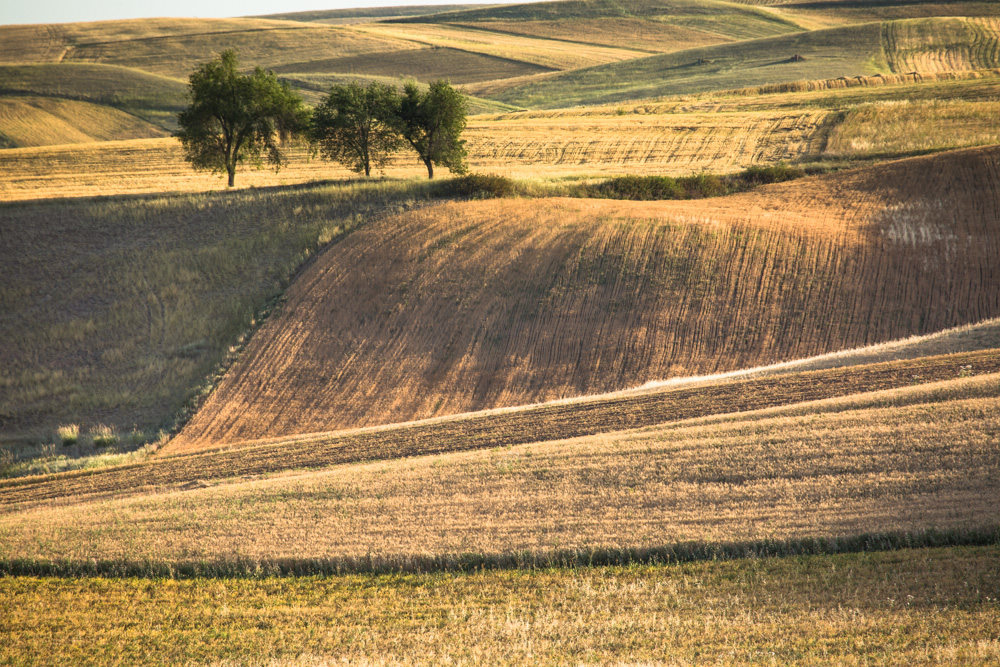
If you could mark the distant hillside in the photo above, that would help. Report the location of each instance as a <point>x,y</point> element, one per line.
<point>42,121</point>
<point>155,99</point>
<point>926,45</point>
<point>825,13</point>
<point>724,19</point>
<point>365,13</point>
<point>469,306</point>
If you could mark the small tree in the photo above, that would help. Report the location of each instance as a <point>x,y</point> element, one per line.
<point>237,118</point>
<point>357,126</point>
<point>432,122</point>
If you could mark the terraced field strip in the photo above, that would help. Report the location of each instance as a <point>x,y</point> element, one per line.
<point>942,44</point>
<point>634,33</point>
<point>532,424</point>
<point>424,64</point>
<point>671,144</point>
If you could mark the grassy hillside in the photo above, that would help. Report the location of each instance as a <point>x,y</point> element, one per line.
<point>825,120</point>
<point>173,46</point>
<point>925,45</point>
<point>588,256</point>
<point>153,98</point>
<point>831,475</point>
<point>841,608</point>
<point>40,121</point>
<point>267,46</point>
<point>544,52</point>
<point>528,146</point>
<point>117,310</point>
<point>826,13</point>
<point>764,393</point>
<point>364,14</point>
<point>539,428</point>
<point>724,20</point>
<point>574,297</point>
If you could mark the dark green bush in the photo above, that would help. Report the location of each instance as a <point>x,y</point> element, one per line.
<point>754,176</point>
<point>689,187</point>
<point>704,185</point>
<point>479,186</point>
<point>637,187</point>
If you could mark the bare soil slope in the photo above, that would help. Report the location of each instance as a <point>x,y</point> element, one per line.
<point>475,305</point>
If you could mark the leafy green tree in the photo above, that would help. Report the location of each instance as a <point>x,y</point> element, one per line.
<point>432,122</point>
<point>357,126</point>
<point>235,118</point>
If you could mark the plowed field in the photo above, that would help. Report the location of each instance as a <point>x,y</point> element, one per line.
<point>478,305</point>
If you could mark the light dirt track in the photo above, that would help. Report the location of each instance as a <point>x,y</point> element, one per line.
<point>478,305</point>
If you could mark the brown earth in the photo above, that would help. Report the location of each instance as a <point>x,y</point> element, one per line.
<point>469,306</point>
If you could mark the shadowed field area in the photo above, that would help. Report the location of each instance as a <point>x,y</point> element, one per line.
<point>117,310</point>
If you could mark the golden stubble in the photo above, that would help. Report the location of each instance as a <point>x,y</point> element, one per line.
<point>764,476</point>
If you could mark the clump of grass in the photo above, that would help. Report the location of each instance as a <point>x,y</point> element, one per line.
<point>480,186</point>
<point>104,437</point>
<point>68,434</point>
<point>42,459</point>
<point>777,173</point>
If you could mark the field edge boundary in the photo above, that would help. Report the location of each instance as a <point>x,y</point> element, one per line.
<point>666,554</point>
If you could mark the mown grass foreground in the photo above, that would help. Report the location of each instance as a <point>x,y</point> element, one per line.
<point>930,605</point>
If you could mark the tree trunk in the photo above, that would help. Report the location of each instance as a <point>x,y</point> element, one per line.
<point>430,168</point>
<point>232,175</point>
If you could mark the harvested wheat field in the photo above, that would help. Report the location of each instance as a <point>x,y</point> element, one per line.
<point>487,304</point>
<point>40,121</point>
<point>592,145</point>
<point>897,462</point>
<point>843,608</point>
<point>587,416</point>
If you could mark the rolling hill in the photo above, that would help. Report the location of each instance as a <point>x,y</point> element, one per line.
<point>319,418</point>
<point>710,19</point>
<point>925,45</point>
<point>470,306</point>
<point>41,121</point>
